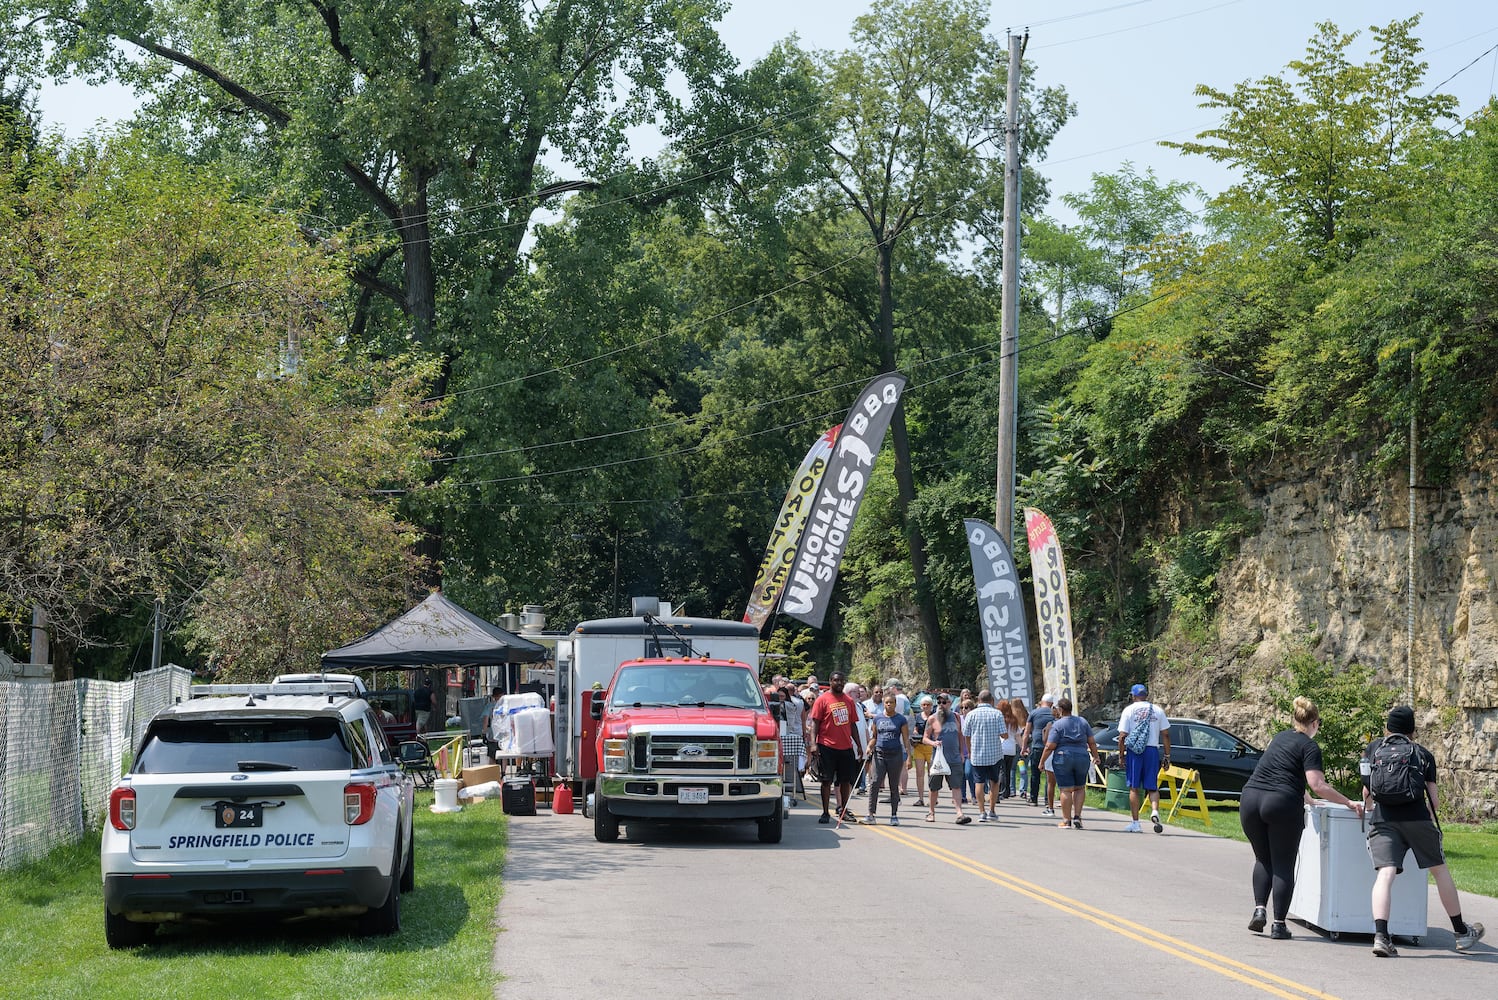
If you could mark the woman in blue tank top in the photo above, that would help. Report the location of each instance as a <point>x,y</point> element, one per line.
<point>944,730</point>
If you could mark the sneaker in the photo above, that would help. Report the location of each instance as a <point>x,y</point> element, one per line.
<point>1471,937</point>
<point>983,817</point>
<point>1258,920</point>
<point>894,821</point>
<point>964,820</point>
<point>1133,827</point>
<point>825,818</point>
<point>1383,947</point>
<point>1278,931</point>
<point>1047,811</point>
<point>868,820</point>
<point>1155,821</point>
<point>1076,824</point>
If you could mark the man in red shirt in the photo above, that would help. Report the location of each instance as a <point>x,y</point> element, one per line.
<point>834,735</point>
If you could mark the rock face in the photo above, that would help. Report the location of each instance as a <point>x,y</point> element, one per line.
<point>1332,561</point>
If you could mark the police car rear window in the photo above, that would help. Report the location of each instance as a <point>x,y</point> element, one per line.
<point>200,746</point>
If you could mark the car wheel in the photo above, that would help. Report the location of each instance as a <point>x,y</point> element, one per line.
<point>605,823</point>
<point>772,827</point>
<point>385,918</point>
<point>408,870</point>
<point>122,933</point>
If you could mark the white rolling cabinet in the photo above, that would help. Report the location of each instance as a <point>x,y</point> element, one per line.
<point>1334,878</point>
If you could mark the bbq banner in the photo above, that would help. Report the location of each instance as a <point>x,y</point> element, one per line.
<point>786,535</point>
<point>809,589</point>
<point>1052,607</point>
<point>1001,613</point>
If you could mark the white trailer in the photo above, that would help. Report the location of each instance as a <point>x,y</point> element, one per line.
<point>594,649</point>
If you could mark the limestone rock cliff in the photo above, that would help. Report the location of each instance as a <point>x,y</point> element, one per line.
<point>1332,561</point>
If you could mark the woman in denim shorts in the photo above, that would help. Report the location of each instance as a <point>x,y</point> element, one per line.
<point>1071,752</point>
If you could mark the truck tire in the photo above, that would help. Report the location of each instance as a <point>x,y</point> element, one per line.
<point>772,826</point>
<point>605,823</point>
<point>122,933</point>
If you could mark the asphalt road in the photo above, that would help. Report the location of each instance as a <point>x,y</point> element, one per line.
<point>984,910</point>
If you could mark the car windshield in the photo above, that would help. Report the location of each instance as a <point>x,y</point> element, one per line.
<point>687,684</point>
<point>200,746</point>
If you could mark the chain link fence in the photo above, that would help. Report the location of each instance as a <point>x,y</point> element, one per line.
<point>62,746</point>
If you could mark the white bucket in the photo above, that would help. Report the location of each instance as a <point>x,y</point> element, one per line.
<point>447,795</point>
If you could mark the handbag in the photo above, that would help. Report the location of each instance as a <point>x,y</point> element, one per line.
<point>939,763</point>
<point>1139,736</point>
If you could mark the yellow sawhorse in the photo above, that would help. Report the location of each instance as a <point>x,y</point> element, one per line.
<point>1189,781</point>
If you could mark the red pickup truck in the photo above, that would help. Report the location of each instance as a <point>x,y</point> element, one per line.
<point>686,740</point>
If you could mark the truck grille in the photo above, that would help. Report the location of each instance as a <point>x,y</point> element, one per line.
<point>675,752</point>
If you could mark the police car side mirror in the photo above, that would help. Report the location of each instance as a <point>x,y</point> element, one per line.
<point>775,709</point>
<point>595,707</point>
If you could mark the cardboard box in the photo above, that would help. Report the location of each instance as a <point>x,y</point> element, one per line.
<point>479,775</point>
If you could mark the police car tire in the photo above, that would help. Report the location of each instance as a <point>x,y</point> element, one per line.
<point>122,933</point>
<point>408,869</point>
<point>386,918</point>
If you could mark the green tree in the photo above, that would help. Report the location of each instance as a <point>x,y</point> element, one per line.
<point>177,396</point>
<point>1121,215</point>
<point>1328,150</point>
<point>1352,708</point>
<point>907,124</point>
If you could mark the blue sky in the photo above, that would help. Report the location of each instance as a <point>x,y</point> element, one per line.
<point>1131,67</point>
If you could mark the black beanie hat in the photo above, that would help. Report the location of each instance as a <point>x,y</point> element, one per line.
<point>1402,720</point>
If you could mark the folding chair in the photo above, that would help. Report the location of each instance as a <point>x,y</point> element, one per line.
<point>416,760</point>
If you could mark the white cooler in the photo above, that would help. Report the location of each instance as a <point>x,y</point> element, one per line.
<point>1334,878</point>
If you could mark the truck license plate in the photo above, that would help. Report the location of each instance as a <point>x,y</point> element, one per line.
<point>692,796</point>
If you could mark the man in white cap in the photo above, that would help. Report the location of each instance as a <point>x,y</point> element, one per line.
<point>1153,749</point>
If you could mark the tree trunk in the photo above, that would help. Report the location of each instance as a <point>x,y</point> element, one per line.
<point>416,253</point>
<point>936,659</point>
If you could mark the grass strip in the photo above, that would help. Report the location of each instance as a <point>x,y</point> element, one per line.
<point>1471,848</point>
<point>52,932</point>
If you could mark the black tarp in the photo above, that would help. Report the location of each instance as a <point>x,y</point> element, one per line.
<point>435,632</point>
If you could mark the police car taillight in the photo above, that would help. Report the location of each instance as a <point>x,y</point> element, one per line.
<point>358,804</point>
<point>122,809</point>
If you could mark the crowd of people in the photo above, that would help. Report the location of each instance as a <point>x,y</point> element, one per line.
<point>985,750</point>
<point>878,742</point>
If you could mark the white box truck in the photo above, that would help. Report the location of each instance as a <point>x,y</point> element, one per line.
<point>588,657</point>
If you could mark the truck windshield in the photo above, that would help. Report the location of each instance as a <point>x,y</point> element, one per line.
<point>686,684</point>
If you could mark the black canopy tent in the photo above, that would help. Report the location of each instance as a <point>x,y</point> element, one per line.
<point>437,632</point>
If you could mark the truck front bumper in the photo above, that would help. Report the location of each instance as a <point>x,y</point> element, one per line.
<point>656,796</point>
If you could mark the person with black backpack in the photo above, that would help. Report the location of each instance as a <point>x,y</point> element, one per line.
<point>1399,779</point>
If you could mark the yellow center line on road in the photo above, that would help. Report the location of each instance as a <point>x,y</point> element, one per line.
<point>1211,961</point>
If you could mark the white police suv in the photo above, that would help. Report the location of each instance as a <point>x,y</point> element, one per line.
<point>278,799</point>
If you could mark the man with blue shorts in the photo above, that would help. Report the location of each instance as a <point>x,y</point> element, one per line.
<point>1143,768</point>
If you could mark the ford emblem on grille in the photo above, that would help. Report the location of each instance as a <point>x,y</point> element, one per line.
<point>691,750</point>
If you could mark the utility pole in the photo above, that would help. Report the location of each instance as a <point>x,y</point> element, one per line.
<point>156,634</point>
<point>1409,557</point>
<point>1003,518</point>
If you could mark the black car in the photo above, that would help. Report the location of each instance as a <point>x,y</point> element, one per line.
<point>1223,760</point>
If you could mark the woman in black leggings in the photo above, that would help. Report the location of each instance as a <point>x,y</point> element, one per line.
<point>1273,816</point>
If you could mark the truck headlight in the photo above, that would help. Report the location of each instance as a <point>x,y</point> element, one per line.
<point>615,755</point>
<point>767,757</point>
